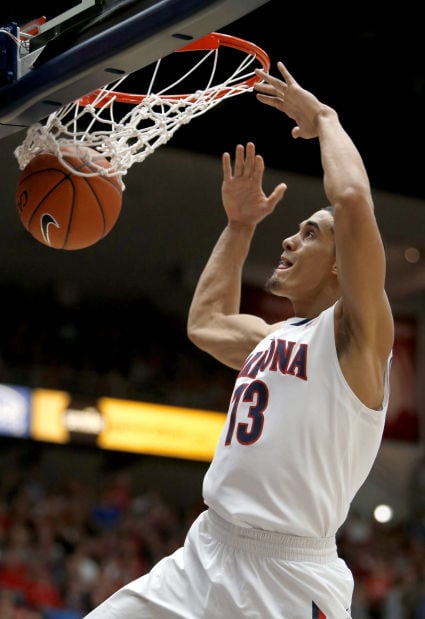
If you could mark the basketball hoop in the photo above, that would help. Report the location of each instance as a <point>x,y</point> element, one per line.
<point>97,120</point>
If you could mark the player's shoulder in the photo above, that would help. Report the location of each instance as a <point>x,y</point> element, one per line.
<point>275,326</point>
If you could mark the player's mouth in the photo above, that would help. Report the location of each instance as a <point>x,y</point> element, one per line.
<point>284,264</point>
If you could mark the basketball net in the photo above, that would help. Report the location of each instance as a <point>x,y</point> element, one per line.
<point>128,137</point>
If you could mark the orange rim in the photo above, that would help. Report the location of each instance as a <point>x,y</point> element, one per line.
<point>209,42</point>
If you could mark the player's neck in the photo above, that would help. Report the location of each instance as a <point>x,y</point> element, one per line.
<point>312,308</point>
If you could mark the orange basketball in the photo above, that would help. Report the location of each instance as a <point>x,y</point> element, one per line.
<point>62,209</point>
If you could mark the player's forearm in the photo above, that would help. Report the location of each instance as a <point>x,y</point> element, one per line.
<point>218,291</point>
<point>342,164</point>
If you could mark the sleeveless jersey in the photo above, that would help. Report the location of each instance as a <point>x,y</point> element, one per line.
<point>297,443</point>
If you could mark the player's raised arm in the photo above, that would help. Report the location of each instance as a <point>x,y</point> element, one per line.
<point>365,319</point>
<point>214,323</point>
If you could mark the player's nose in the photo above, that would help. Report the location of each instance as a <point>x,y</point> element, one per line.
<point>290,242</point>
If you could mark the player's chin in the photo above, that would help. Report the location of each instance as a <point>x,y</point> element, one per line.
<point>275,284</point>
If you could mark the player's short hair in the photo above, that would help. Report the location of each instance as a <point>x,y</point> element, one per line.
<point>330,209</point>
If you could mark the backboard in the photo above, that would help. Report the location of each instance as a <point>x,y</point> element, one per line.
<point>90,44</point>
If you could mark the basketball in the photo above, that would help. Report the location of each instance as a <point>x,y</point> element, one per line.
<point>62,209</point>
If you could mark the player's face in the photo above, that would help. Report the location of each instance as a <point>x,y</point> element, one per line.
<point>307,263</point>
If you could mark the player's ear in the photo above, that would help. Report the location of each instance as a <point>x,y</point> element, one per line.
<point>334,269</point>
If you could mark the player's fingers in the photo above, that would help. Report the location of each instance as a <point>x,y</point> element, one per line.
<point>262,87</point>
<point>239,160</point>
<point>250,159</point>
<point>268,81</point>
<point>227,168</point>
<point>275,101</point>
<point>277,193</point>
<point>285,73</point>
<point>266,89</point>
<point>295,132</point>
<point>261,73</point>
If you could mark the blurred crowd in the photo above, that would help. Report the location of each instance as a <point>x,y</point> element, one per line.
<point>66,546</point>
<point>126,349</point>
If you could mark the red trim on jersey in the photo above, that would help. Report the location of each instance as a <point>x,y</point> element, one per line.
<point>316,612</point>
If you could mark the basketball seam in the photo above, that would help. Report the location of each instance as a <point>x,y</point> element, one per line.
<point>93,191</point>
<point>98,202</point>
<point>112,180</point>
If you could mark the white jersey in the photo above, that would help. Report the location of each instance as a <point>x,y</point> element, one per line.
<point>297,443</point>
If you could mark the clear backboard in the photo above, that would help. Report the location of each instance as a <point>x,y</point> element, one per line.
<point>46,63</point>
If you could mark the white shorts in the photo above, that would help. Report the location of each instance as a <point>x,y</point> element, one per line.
<point>229,572</point>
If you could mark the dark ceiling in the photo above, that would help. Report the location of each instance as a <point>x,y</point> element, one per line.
<point>370,68</point>
<point>368,64</point>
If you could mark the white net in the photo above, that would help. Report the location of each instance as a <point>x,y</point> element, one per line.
<point>127,137</point>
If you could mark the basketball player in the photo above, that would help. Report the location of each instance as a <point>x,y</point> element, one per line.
<point>307,412</point>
